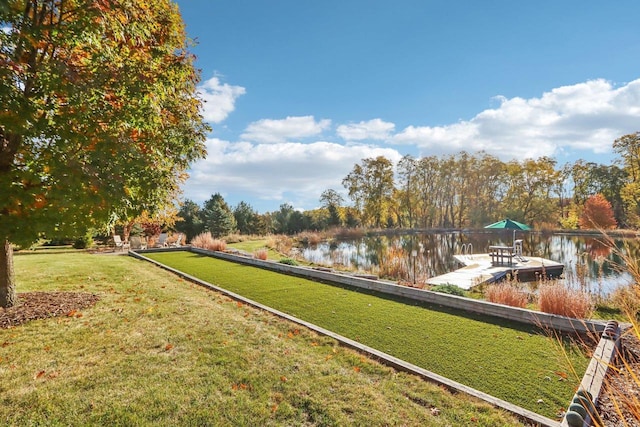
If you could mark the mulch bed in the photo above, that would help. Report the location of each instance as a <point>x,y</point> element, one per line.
<point>622,388</point>
<point>41,305</point>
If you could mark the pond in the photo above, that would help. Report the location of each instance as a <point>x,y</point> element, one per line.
<point>590,264</point>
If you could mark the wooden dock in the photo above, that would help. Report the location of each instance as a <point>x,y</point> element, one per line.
<point>478,269</point>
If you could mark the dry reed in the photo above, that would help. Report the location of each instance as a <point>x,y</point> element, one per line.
<point>206,241</point>
<point>507,294</point>
<point>261,254</point>
<point>557,299</point>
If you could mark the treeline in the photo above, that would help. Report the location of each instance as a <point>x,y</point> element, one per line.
<point>457,191</point>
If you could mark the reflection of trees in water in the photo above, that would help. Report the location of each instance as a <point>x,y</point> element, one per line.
<point>588,262</point>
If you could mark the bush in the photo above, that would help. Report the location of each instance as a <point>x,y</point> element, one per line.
<point>288,261</point>
<point>206,241</point>
<point>261,254</point>
<point>448,288</point>
<point>507,294</point>
<point>308,238</point>
<point>83,242</point>
<point>558,299</point>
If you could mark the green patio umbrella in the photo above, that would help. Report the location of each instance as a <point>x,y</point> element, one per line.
<point>509,224</point>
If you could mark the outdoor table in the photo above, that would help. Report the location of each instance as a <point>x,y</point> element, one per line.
<point>501,253</point>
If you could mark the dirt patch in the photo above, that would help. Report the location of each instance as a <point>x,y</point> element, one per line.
<point>41,305</point>
<point>622,388</point>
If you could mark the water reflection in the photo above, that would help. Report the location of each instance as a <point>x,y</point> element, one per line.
<point>589,263</point>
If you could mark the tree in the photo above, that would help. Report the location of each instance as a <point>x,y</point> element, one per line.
<point>371,187</point>
<point>597,213</point>
<point>628,147</point>
<point>189,222</point>
<point>99,116</point>
<point>248,220</point>
<point>217,216</point>
<point>332,200</point>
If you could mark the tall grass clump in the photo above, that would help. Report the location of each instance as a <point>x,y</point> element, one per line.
<point>309,238</point>
<point>348,233</point>
<point>555,298</point>
<point>507,294</point>
<point>206,241</point>
<point>394,264</point>
<point>280,243</point>
<point>261,254</point>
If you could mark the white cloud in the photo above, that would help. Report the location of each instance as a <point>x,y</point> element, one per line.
<point>282,172</point>
<point>292,128</point>
<point>219,99</point>
<point>586,116</point>
<point>373,129</point>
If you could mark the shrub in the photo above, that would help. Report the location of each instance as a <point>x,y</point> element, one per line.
<point>448,288</point>
<point>261,254</point>
<point>507,294</point>
<point>288,261</point>
<point>206,241</point>
<point>83,242</point>
<point>558,299</point>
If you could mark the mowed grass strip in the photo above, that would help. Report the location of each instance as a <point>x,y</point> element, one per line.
<point>507,360</point>
<point>156,350</point>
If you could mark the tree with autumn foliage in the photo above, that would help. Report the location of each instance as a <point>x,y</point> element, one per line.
<point>597,213</point>
<point>99,116</point>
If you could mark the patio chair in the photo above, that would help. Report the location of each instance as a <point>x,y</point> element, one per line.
<point>138,242</point>
<point>119,243</point>
<point>162,240</point>
<point>517,251</point>
<point>178,242</point>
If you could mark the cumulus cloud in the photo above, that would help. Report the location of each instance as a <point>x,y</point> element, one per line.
<point>586,116</point>
<point>292,128</point>
<point>219,99</point>
<point>289,172</point>
<point>375,129</point>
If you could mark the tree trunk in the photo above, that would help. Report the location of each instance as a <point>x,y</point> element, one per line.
<point>7,279</point>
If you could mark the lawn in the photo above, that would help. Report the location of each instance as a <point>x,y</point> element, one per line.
<point>507,360</point>
<point>156,350</point>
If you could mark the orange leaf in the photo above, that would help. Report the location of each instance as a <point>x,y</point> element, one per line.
<point>289,335</point>
<point>239,304</point>
<point>40,374</point>
<point>168,347</point>
<point>79,315</point>
<point>356,368</point>
<point>274,408</point>
<point>72,313</point>
<point>283,379</point>
<point>562,375</point>
<point>314,344</point>
<point>243,386</point>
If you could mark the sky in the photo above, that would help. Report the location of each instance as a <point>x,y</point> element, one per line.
<point>298,91</point>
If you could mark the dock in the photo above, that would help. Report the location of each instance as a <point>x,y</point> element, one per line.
<point>478,269</point>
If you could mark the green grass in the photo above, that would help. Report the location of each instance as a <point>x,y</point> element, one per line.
<point>250,246</point>
<point>156,350</point>
<point>507,360</point>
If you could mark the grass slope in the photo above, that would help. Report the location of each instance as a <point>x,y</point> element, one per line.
<point>156,350</point>
<point>507,360</point>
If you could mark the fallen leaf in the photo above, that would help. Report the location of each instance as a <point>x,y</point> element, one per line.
<point>168,347</point>
<point>283,379</point>
<point>435,411</point>
<point>562,375</point>
<point>356,368</point>
<point>40,374</point>
<point>314,344</point>
<point>71,313</point>
<point>274,408</point>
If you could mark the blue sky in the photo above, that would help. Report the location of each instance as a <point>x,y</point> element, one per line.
<point>299,91</point>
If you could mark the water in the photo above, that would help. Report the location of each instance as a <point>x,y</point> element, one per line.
<point>589,263</point>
